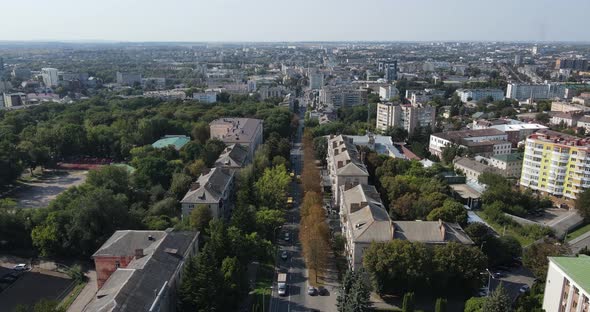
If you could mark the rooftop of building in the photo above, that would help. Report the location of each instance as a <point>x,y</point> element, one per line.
<point>430,232</point>
<point>367,218</point>
<point>124,243</point>
<point>463,134</point>
<point>235,155</point>
<point>176,141</point>
<point>576,268</point>
<point>237,129</point>
<point>348,155</point>
<point>209,187</point>
<point>135,287</point>
<point>518,127</point>
<point>509,157</point>
<point>555,137</point>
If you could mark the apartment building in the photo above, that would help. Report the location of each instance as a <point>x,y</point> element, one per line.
<point>50,77</point>
<point>406,116</point>
<point>141,270</point>
<point>129,79</point>
<point>479,94</point>
<point>568,285</point>
<point>575,64</point>
<point>472,168</point>
<point>245,131</point>
<point>520,91</point>
<point>484,142</point>
<point>569,119</point>
<point>556,163</point>
<point>423,96</point>
<point>344,165</point>
<point>342,96</point>
<point>233,157</point>
<point>316,79</point>
<point>510,164</point>
<point>388,92</point>
<point>213,189</point>
<point>558,106</point>
<point>364,220</point>
<point>208,97</point>
<point>584,122</point>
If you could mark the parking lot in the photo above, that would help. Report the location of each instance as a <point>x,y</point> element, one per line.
<point>512,280</point>
<point>30,286</point>
<point>39,193</point>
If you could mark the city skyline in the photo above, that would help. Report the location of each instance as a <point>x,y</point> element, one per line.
<point>269,21</point>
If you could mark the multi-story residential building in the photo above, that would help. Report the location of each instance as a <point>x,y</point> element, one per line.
<point>557,164</point>
<point>244,131</point>
<point>272,92</point>
<point>153,83</point>
<point>389,68</point>
<point>472,169</point>
<point>14,99</point>
<point>423,96</point>
<point>568,285</point>
<point>234,157</point>
<point>316,79</point>
<point>479,94</point>
<point>509,164</point>
<point>50,77</point>
<point>129,79</point>
<point>208,97</point>
<point>341,96</point>
<point>575,64</point>
<point>584,122</point>
<point>21,73</point>
<point>484,142</point>
<point>565,107</point>
<point>141,270</point>
<point>518,132</point>
<point>569,119</point>
<point>213,189</point>
<point>406,116</point>
<point>583,99</point>
<point>520,91</point>
<point>388,92</point>
<point>344,165</point>
<point>364,221</point>
<point>430,232</point>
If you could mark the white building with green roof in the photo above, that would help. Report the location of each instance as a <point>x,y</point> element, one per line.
<point>568,284</point>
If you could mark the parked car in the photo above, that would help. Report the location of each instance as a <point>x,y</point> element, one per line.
<point>322,291</point>
<point>524,289</point>
<point>287,236</point>
<point>284,255</point>
<point>497,275</point>
<point>312,291</point>
<point>20,267</point>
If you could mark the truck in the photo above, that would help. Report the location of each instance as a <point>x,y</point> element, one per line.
<point>282,284</point>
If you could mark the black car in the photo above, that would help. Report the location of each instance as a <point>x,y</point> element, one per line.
<point>322,291</point>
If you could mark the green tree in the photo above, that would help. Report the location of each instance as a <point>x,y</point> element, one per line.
<point>188,287</point>
<point>200,132</point>
<point>354,293</point>
<point>460,264</point>
<point>535,256</point>
<point>408,302</point>
<point>268,220</point>
<point>583,204</point>
<point>271,188</point>
<point>451,211</point>
<point>498,301</point>
<point>200,218</point>
<point>112,178</point>
<point>397,134</point>
<point>196,168</point>
<point>180,184</point>
<point>474,304</point>
<point>441,305</point>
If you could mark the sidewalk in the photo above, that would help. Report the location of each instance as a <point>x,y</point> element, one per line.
<point>86,295</point>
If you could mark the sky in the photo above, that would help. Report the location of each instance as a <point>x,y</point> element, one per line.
<point>295,20</point>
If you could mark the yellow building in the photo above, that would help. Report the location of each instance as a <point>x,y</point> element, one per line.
<point>557,164</point>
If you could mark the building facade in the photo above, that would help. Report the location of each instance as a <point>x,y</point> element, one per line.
<point>316,79</point>
<point>408,117</point>
<point>567,287</point>
<point>205,97</point>
<point>518,91</point>
<point>344,165</point>
<point>479,94</point>
<point>338,97</point>
<point>50,77</point>
<point>484,142</point>
<point>556,164</point>
<point>213,189</point>
<point>129,79</point>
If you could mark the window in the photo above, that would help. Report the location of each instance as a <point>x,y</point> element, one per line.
<point>117,264</point>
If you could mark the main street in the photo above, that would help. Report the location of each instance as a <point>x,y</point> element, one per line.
<point>297,298</point>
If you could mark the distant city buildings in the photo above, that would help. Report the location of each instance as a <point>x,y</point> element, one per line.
<point>388,92</point>
<point>575,64</point>
<point>316,79</point>
<point>518,91</point>
<point>21,73</point>
<point>405,116</point>
<point>50,77</point>
<point>208,97</point>
<point>389,69</point>
<point>479,94</point>
<point>556,164</point>
<point>128,79</point>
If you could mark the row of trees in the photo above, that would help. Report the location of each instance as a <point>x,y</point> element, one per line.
<point>399,266</point>
<point>112,127</point>
<point>315,233</point>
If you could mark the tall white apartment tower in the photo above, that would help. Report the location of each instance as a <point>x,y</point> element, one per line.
<point>50,77</point>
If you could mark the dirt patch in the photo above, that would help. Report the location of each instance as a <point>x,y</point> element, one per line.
<point>42,191</point>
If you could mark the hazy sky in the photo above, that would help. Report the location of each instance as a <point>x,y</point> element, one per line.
<point>295,20</point>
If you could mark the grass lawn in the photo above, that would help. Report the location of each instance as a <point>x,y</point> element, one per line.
<point>578,232</point>
<point>69,299</point>
<point>524,241</point>
<point>262,291</point>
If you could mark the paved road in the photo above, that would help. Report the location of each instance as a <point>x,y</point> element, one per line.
<point>580,242</point>
<point>297,298</point>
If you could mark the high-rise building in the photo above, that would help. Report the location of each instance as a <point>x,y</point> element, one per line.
<point>1,64</point>
<point>389,68</point>
<point>408,117</point>
<point>388,92</point>
<point>555,163</point>
<point>517,60</point>
<point>575,64</point>
<point>519,91</point>
<point>316,79</point>
<point>50,77</point>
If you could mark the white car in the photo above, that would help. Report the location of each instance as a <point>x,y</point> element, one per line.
<point>20,267</point>
<point>284,255</point>
<point>287,237</point>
